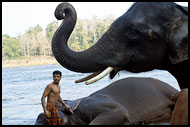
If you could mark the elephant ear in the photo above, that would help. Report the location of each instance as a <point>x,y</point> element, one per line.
<point>178,36</point>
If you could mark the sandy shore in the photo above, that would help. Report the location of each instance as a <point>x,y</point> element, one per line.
<point>29,61</point>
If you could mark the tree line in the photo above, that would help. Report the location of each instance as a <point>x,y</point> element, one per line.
<point>34,42</point>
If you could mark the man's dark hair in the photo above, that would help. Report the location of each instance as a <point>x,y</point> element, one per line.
<point>57,72</point>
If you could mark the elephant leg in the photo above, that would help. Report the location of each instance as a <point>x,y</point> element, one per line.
<point>180,113</point>
<point>114,117</point>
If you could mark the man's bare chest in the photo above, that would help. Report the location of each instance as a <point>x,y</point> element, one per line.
<point>55,89</point>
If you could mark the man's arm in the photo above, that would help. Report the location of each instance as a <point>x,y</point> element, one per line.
<point>62,102</point>
<point>67,107</point>
<point>46,92</point>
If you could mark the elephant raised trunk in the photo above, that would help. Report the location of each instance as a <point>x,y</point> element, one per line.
<point>84,61</point>
<point>90,60</point>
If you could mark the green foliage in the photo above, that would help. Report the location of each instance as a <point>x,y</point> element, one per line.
<point>34,43</point>
<point>10,47</point>
<point>50,30</point>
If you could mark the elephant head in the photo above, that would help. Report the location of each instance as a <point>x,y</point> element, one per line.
<point>146,37</point>
<point>68,117</point>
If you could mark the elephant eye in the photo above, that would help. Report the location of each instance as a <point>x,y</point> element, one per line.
<point>133,33</point>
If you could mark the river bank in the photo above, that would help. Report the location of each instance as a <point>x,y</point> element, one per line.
<point>29,61</point>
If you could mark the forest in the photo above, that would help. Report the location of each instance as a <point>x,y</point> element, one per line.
<point>37,42</point>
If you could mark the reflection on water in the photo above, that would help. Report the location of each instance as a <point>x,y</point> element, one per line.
<point>22,88</point>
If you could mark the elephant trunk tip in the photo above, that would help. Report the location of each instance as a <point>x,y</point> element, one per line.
<point>59,12</point>
<point>62,9</point>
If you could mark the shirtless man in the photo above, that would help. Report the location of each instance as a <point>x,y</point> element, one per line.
<point>52,91</point>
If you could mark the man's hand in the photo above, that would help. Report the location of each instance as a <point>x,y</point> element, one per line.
<point>47,114</point>
<point>68,108</point>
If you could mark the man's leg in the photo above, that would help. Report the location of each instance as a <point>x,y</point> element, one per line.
<point>180,113</point>
<point>54,118</point>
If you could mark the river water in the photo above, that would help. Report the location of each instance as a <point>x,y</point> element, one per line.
<point>22,88</point>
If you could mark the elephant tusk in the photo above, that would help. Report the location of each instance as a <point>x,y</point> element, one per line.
<point>100,76</point>
<point>88,77</point>
<point>150,33</point>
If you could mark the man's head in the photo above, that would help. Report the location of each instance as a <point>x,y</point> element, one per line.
<point>57,76</point>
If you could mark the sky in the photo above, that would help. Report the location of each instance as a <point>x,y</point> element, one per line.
<point>17,17</point>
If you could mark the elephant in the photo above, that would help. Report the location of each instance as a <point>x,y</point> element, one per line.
<point>128,101</point>
<point>150,35</point>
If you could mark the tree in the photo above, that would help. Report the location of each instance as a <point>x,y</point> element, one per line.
<point>24,45</point>
<point>43,45</point>
<point>10,47</point>
<point>50,30</point>
<point>30,41</point>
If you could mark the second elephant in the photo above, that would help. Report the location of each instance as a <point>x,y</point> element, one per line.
<point>125,102</point>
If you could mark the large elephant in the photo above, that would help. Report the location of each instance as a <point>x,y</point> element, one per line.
<point>127,101</point>
<point>150,35</point>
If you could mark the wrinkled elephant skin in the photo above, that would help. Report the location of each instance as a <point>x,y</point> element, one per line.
<point>124,102</point>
